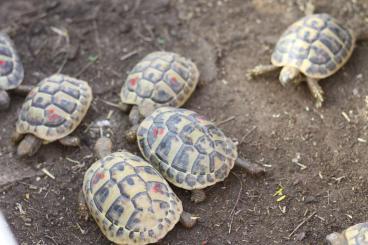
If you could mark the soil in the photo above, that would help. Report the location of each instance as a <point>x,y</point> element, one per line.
<point>317,156</point>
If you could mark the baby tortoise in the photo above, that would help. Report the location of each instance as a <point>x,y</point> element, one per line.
<point>188,150</point>
<point>354,235</point>
<point>311,49</point>
<point>129,200</point>
<point>51,111</point>
<point>159,79</point>
<point>11,69</point>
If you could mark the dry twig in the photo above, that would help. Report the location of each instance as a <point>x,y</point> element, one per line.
<point>302,223</point>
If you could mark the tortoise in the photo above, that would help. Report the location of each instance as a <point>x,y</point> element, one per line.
<point>311,49</point>
<point>354,235</point>
<point>52,110</point>
<point>129,200</point>
<point>11,69</point>
<point>159,79</point>
<point>188,150</point>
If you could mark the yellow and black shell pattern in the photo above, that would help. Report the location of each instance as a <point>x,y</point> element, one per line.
<point>318,45</point>
<point>354,235</point>
<point>160,79</point>
<point>187,149</point>
<point>54,108</point>
<point>130,201</point>
<point>11,68</point>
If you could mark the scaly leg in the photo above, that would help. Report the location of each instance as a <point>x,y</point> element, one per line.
<point>309,8</point>
<point>187,220</point>
<point>316,91</point>
<point>16,137</point>
<point>260,70</point>
<point>134,115</point>
<point>198,196</point>
<point>70,141</point>
<point>251,168</point>
<point>4,100</point>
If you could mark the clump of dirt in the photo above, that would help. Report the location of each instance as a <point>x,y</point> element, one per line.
<point>317,157</point>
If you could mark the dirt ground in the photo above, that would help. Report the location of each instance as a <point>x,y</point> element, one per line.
<point>318,157</point>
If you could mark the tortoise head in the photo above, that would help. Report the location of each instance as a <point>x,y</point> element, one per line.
<point>28,146</point>
<point>289,74</point>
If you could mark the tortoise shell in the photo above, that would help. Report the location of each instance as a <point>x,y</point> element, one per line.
<point>54,108</point>
<point>188,150</point>
<point>160,79</point>
<point>318,45</point>
<point>130,201</point>
<point>354,235</point>
<point>11,68</point>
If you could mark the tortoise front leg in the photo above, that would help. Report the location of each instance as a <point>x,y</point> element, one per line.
<point>70,141</point>
<point>198,196</point>
<point>4,100</point>
<point>309,8</point>
<point>29,146</point>
<point>251,168</point>
<point>16,137</point>
<point>260,70</point>
<point>316,91</point>
<point>134,115</point>
<point>187,220</point>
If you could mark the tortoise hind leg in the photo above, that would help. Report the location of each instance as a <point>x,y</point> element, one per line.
<point>198,196</point>
<point>70,141</point>
<point>187,220</point>
<point>316,91</point>
<point>260,70</point>
<point>4,100</point>
<point>29,146</point>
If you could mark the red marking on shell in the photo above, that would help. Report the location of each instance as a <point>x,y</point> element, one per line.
<point>133,81</point>
<point>99,176</point>
<point>51,115</point>
<point>2,62</point>
<point>174,80</point>
<point>156,188</point>
<point>158,131</point>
